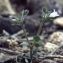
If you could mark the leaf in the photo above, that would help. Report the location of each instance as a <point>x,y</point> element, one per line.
<point>36,38</point>
<point>44,10</point>
<point>25,43</point>
<point>24,19</point>
<point>37,41</point>
<point>19,59</point>
<point>25,12</point>
<point>38,44</point>
<point>16,21</point>
<point>48,18</point>
<point>36,53</point>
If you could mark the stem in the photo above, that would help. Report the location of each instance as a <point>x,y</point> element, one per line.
<point>25,32</point>
<point>40,27</point>
<point>31,47</point>
<point>27,41</point>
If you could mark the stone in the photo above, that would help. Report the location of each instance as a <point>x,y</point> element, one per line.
<point>34,5</point>
<point>61,43</point>
<point>25,49</point>
<point>12,43</point>
<point>7,25</point>
<point>50,47</point>
<point>2,55</point>
<point>58,21</point>
<point>6,8</point>
<point>56,37</point>
<point>6,58</point>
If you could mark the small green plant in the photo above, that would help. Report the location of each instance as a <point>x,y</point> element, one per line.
<point>37,42</point>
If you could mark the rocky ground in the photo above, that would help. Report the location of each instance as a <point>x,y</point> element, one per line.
<point>51,33</point>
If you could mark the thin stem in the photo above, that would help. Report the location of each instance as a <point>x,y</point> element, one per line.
<point>31,50</point>
<point>40,27</point>
<point>25,32</point>
<point>27,41</point>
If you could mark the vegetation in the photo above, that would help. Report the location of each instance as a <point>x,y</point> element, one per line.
<point>37,42</point>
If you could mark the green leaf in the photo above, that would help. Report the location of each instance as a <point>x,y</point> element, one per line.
<point>44,10</point>
<point>19,59</point>
<point>16,21</point>
<point>48,18</point>
<point>25,12</point>
<point>37,41</point>
<point>24,19</point>
<point>25,43</point>
<point>36,38</point>
<point>36,53</point>
<point>38,44</point>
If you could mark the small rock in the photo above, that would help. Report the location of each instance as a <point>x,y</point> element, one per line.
<point>25,49</point>
<point>3,38</point>
<point>15,42</point>
<point>61,43</point>
<point>12,43</point>
<point>50,47</point>
<point>6,33</point>
<point>1,55</point>
<point>56,37</point>
<point>58,21</point>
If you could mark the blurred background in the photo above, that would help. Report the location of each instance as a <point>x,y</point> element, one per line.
<point>16,6</point>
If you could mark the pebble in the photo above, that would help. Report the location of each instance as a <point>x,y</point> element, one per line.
<point>50,47</point>
<point>25,49</point>
<point>58,21</point>
<point>1,55</point>
<point>56,38</point>
<point>12,43</point>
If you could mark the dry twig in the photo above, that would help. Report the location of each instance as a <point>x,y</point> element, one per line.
<point>51,56</point>
<point>10,51</point>
<point>55,50</point>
